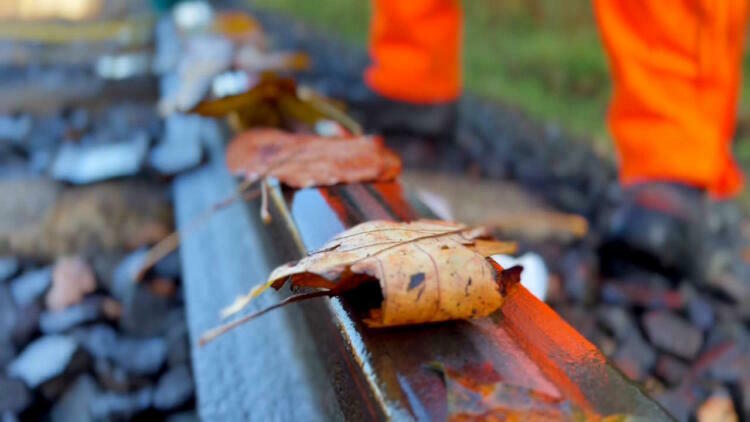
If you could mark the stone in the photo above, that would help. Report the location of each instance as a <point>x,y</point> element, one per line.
<point>14,129</point>
<point>184,417</point>
<point>718,407</point>
<point>169,266</point>
<point>14,396</point>
<point>118,406</point>
<point>72,279</point>
<point>138,356</point>
<point>175,389</point>
<point>9,266</point>
<point>114,378</point>
<point>123,277</point>
<point>635,357</point>
<point>44,359</point>
<point>7,353</point>
<point>701,313</point>
<point>616,320</point>
<point>672,334</point>
<point>88,163</point>
<point>578,270</point>
<point>178,342</point>
<point>74,404</point>
<point>182,148</point>
<point>671,370</point>
<point>8,314</point>
<point>144,313</point>
<point>30,286</point>
<point>53,322</point>
<point>638,294</point>
<point>27,324</point>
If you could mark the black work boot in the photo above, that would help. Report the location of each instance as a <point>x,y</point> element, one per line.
<point>423,134</point>
<point>658,226</point>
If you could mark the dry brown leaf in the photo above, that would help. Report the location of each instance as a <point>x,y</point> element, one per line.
<point>428,271</point>
<point>303,161</point>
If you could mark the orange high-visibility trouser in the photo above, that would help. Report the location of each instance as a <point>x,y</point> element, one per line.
<point>676,68</point>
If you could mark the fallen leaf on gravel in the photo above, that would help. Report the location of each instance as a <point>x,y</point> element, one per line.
<point>72,279</point>
<point>480,395</point>
<point>428,271</point>
<point>302,161</point>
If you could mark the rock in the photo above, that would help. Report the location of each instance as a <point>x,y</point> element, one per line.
<point>9,266</point>
<point>175,388</point>
<point>123,278</point>
<point>184,417</point>
<point>115,378</point>
<point>29,286</point>
<point>14,129</point>
<point>578,269</point>
<point>162,287</point>
<point>637,294</point>
<point>672,334</point>
<point>27,324</point>
<point>8,314</point>
<point>139,356</point>
<point>635,357</point>
<point>8,417</point>
<point>44,359</point>
<point>19,218</point>
<point>108,406</point>
<point>14,396</point>
<point>700,312</point>
<point>74,404</point>
<point>72,279</point>
<point>718,407</point>
<point>88,163</point>
<point>744,387</point>
<point>182,148</point>
<point>671,370</point>
<point>144,313</point>
<point>178,342</point>
<point>678,403</point>
<point>732,364</point>
<point>53,322</point>
<point>169,266</point>
<point>617,321</point>
<point>7,353</point>
<point>86,220</point>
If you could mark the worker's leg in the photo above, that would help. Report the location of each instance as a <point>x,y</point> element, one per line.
<point>415,47</point>
<point>676,71</point>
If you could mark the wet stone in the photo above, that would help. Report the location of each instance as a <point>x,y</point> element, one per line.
<point>74,404</point>
<point>14,396</point>
<point>672,334</point>
<point>88,163</point>
<point>107,406</point>
<point>175,389</point>
<point>9,266</point>
<point>29,286</point>
<point>52,322</point>
<point>44,359</point>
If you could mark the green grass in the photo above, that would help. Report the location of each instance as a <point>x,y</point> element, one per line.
<point>542,56</point>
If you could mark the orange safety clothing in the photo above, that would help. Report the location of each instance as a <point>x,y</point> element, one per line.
<point>415,47</point>
<point>676,67</point>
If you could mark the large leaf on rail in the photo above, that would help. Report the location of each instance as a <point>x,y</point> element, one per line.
<point>308,160</point>
<point>428,270</point>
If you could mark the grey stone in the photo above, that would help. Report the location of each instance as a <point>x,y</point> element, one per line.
<point>14,396</point>
<point>169,266</point>
<point>29,286</point>
<point>44,359</point>
<point>74,404</point>
<point>7,353</point>
<point>672,334</point>
<point>53,322</point>
<point>14,129</point>
<point>175,388</point>
<point>8,314</point>
<point>107,406</point>
<point>27,323</point>
<point>635,357</point>
<point>123,277</point>
<point>138,356</point>
<point>82,164</point>
<point>184,417</point>
<point>9,266</point>
<point>617,321</point>
<point>144,313</point>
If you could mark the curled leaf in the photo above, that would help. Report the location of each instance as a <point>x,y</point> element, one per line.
<point>427,270</point>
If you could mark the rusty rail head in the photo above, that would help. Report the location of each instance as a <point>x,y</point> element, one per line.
<point>381,372</point>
